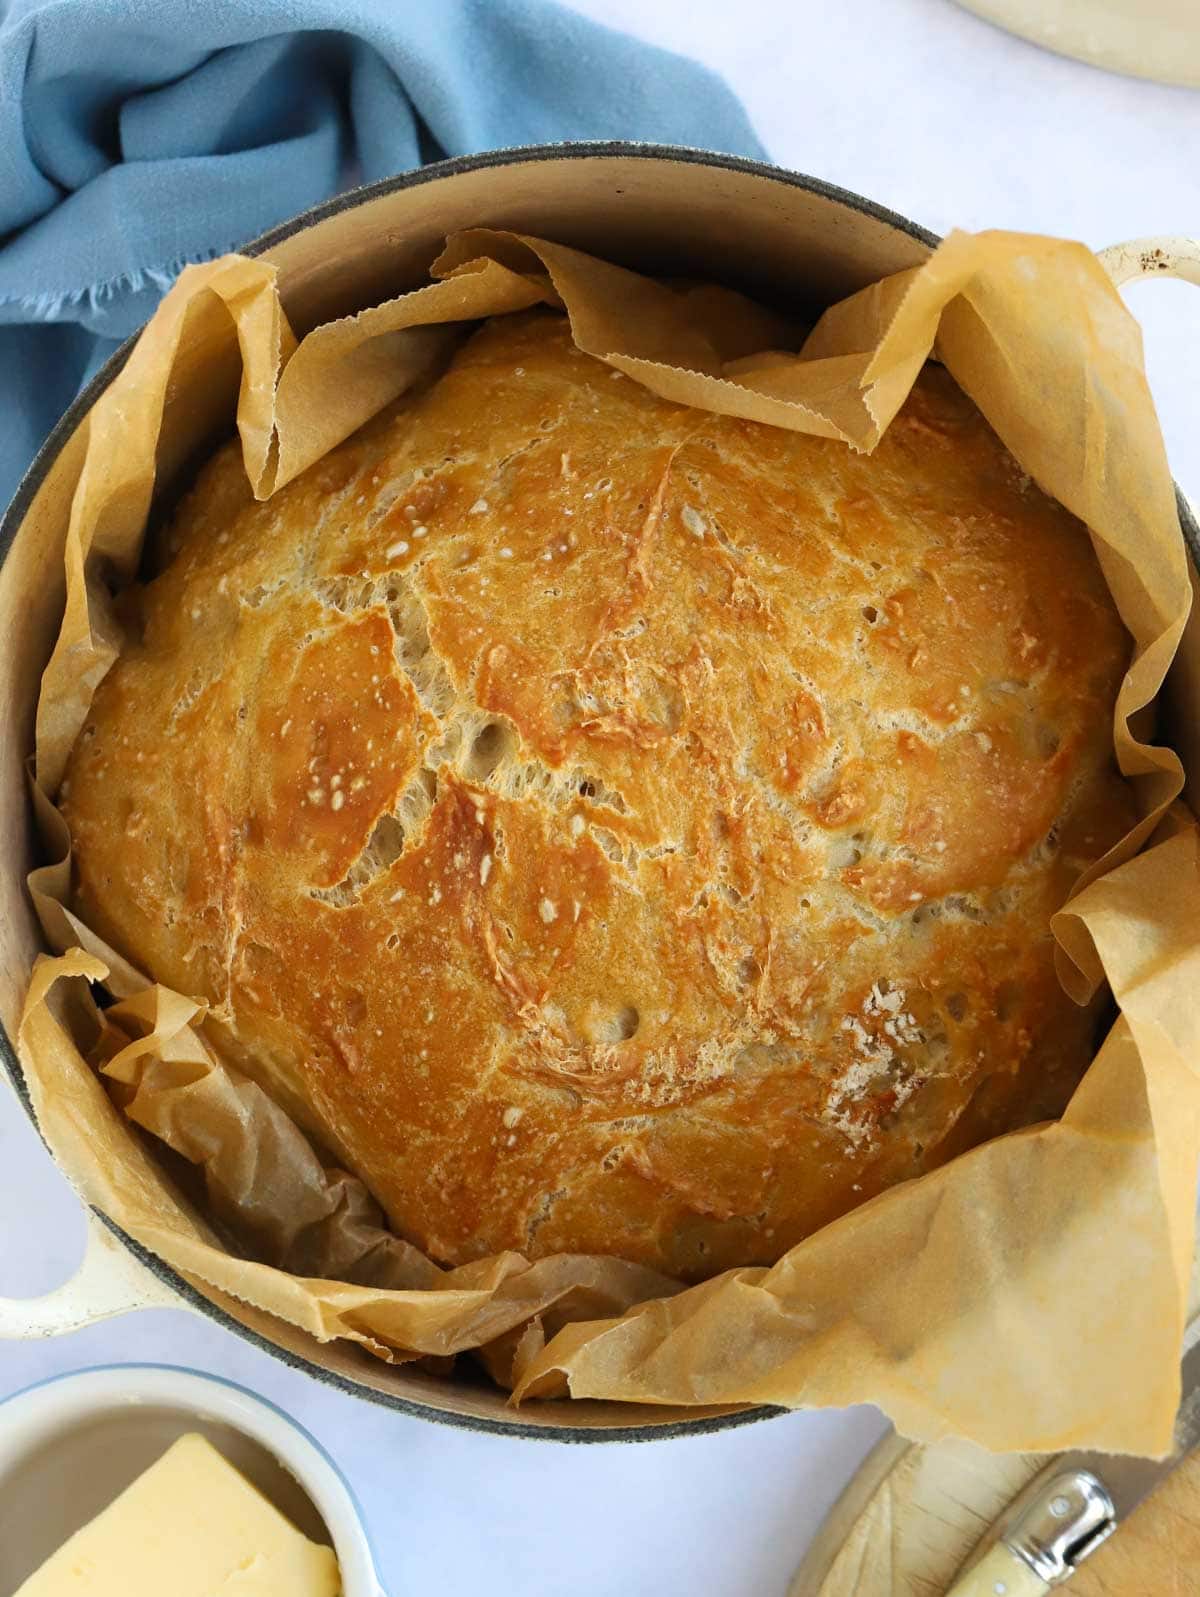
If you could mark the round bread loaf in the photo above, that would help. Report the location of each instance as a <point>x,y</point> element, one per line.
<point>612,827</point>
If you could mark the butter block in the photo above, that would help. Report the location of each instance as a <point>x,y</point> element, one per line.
<point>191,1526</point>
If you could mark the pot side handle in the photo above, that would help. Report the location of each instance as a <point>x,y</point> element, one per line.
<point>109,1281</point>
<point>1152,257</point>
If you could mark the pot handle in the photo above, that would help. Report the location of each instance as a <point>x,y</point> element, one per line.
<point>109,1281</point>
<point>1152,257</point>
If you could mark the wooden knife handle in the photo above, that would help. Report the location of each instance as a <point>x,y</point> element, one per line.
<point>999,1574</point>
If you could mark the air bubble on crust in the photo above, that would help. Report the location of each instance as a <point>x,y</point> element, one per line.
<point>843,853</point>
<point>607,1028</point>
<point>492,744</point>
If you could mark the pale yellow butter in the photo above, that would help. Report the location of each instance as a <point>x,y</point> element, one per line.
<point>191,1526</point>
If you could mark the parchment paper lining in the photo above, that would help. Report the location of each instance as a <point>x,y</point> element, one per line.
<point>1031,1294</point>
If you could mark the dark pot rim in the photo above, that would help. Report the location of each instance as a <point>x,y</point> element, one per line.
<point>10,525</point>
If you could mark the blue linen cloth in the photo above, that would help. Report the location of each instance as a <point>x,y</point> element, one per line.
<point>139,135</point>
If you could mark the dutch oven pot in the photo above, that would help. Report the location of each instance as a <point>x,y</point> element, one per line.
<point>774,234</point>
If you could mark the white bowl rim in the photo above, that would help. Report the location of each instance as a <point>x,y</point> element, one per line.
<point>101,1386</point>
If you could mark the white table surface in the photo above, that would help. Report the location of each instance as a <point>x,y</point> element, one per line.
<point>949,121</point>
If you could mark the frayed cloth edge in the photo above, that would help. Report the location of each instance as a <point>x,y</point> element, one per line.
<point>47,306</point>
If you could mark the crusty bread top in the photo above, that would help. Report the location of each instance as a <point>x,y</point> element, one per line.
<point>609,826</point>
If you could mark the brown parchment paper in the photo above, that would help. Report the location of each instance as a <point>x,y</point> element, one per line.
<point>1031,1294</point>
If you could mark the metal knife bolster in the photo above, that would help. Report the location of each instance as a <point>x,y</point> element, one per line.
<point>1077,1501</point>
<point>1059,1519</point>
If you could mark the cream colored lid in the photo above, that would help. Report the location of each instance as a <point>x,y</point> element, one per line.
<point>1147,38</point>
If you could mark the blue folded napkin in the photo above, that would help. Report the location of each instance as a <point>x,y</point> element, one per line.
<point>139,135</point>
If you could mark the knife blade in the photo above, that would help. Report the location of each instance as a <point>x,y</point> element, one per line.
<point>1074,1505</point>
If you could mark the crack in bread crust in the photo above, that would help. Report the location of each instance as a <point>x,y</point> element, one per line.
<point>463,741</point>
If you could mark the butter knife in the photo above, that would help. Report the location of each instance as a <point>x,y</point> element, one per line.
<point>1076,1503</point>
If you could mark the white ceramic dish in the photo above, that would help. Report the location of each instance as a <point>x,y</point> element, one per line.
<point>1157,39</point>
<point>71,1444</point>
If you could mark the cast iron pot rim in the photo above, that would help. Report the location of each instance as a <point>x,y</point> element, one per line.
<point>15,515</point>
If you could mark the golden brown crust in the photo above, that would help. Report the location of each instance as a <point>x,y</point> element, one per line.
<point>609,826</point>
